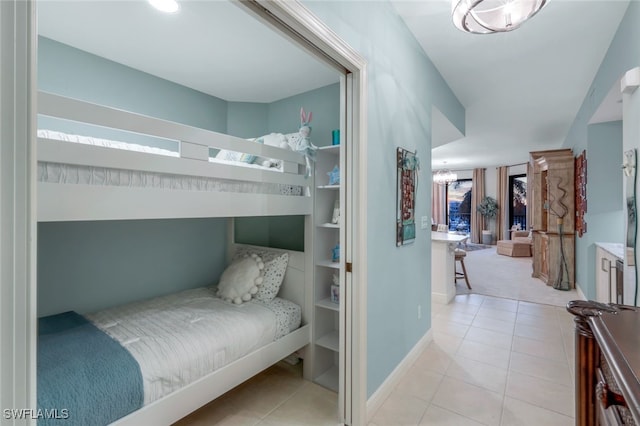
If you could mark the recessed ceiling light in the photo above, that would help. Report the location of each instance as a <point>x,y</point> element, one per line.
<point>166,6</point>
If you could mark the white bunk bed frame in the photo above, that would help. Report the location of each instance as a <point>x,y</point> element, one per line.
<point>66,202</point>
<point>73,202</point>
<point>180,403</point>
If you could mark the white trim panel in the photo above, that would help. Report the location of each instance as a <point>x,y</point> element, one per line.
<point>17,209</point>
<point>53,151</point>
<point>87,112</point>
<point>68,202</point>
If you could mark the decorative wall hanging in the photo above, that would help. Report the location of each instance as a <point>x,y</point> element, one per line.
<point>560,210</point>
<point>408,166</point>
<point>581,193</point>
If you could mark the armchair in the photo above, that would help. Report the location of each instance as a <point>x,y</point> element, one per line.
<point>520,244</point>
<point>522,236</point>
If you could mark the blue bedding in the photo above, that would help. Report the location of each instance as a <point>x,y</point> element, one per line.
<point>84,376</point>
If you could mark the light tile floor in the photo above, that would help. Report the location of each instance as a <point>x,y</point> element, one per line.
<point>277,396</point>
<point>492,361</point>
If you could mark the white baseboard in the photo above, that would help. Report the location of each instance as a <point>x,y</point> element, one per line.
<point>580,293</point>
<point>439,298</point>
<point>382,393</point>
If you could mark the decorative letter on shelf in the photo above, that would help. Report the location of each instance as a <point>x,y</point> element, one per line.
<point>408,166</point>
<point>581,193</point>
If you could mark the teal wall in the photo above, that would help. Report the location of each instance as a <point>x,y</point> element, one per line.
<point>324,103</point>
<point>91,265</point>
<point>74,73</point>
<point>122,253</point>
<point>603,225</point>
<point>403,84</point>
<point>284,117</point>
<point>87,266</point>
<point>285,232</point>
<point>247,119</point>
<point>604,217</point>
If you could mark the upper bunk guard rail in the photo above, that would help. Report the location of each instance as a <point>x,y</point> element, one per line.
<point>90,155</point>
<point>86,112</point>
<point>118,200</point>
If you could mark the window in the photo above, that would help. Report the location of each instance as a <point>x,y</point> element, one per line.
<point>459,205</point>
<point>518,197</point>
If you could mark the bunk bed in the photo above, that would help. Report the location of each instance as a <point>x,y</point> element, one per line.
<point>109,180</point>
<point>111,184</point>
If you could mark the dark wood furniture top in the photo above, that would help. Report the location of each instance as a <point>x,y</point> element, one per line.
<point>607,363</point>
<point>618,336</point>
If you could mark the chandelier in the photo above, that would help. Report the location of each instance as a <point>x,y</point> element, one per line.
<point>444,177</point>
<point>493,16</point>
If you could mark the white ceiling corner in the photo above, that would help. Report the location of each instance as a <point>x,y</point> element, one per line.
<point>442,130</point>
<point>610,108</point>
<point>211,46</point>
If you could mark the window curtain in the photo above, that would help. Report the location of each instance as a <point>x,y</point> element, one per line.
<point>502,226</point>
<point>477,194</point>
<point>529,194</point>
<point>439,204</point>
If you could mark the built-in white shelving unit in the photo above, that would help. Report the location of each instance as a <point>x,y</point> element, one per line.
<point>326,332</point>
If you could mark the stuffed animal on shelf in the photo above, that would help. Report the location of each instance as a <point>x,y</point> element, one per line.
<point>301,142</point>
<point>335,253</point>
<point>334,176</point>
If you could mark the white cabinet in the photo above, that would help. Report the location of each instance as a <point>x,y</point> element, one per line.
<point>328,270</point>
<point>605,276</point>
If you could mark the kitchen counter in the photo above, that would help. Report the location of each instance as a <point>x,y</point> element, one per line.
<point>443,245</point>
<point>615,249</point>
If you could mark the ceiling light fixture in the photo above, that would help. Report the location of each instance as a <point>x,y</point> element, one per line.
<point>166,6</point>
<point>493,16</point>
<point>444,177</point>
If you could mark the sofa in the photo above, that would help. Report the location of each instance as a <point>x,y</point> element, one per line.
<point>520,245</point>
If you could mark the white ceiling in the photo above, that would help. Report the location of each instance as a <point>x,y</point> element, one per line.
<point>211,46</point>
<point>521,90</point>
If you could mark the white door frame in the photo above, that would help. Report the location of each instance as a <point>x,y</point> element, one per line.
<point>296,22</point>
<point>17,210</point>
<point>630,132</point>
<point>18,161</point>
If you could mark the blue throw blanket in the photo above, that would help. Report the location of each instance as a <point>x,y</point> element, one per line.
<point>84,376</point>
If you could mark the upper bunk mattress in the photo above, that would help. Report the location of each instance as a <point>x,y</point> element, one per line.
<point>103,176</point>
<point>179,338</point>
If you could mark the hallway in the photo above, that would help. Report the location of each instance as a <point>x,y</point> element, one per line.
<point>492,361</point>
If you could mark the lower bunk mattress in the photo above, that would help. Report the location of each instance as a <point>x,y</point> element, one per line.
<point>99,368</point>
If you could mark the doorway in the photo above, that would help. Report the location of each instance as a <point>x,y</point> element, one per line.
<point>20,119</point>
<point>518,201</point>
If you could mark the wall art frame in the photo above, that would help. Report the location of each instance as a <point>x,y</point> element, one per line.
<point>407,182</point>
<point>581,193</point>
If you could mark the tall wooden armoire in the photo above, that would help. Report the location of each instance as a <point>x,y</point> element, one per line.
<point>552,202</point>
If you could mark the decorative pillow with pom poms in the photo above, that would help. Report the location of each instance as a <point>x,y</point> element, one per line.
<point>275,267</point>
<point>241,280</point>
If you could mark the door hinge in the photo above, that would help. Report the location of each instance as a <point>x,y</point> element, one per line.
<point>348,266</point>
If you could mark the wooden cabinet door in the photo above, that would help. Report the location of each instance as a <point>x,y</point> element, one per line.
<point>544,258</point>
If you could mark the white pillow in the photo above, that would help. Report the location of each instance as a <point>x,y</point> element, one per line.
<point>241,280</point>
<point>226,155</point>
<point>275,266</point>
<point>273,139</point>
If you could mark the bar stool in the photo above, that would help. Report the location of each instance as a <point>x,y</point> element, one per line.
<point>460,254</point>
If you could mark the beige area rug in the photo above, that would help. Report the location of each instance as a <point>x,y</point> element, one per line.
<point>492,274</point>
